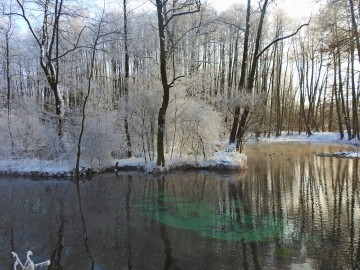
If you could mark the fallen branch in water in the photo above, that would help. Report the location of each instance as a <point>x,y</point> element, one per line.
<point>29,264</point>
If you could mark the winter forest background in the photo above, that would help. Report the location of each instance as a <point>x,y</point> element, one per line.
<point>115,80</point>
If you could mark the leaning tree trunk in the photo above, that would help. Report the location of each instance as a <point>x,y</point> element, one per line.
<point>83,109</point>
<point>241,85</point>
<point>251,78</point>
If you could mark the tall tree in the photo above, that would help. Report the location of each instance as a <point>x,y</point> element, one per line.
<point>7,29</point>
<point>126,79</point>
<point>354,98</point>
<point>354,26</point>
<point>165,14</point>
<point>241,84</point>
<point>240,121</point>
<point>98,35</point>
<point>239,127</point>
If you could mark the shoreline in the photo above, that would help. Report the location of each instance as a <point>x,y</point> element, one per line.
<point>222,161</point>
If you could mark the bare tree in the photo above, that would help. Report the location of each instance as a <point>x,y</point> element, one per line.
<point>248,72</point>
<point>240,121</point>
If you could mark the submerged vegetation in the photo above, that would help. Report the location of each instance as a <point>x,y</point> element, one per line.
<point>208,219</point>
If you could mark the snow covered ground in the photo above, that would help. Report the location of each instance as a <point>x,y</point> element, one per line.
<point>222,160</point>
<point>319,137</point>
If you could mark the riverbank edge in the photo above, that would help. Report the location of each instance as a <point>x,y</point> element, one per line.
<point>222,161</point>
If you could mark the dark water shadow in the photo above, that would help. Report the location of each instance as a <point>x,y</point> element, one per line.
<point>84,228</point>
<point>56,253</point>
<point>170,261</point>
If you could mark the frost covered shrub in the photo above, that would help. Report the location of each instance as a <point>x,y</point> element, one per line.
<point>256,103</point>
<point>142,111</point>
<point>193,128</point>
<point>5,139</point>
<point>27,133</point>
<point>100,138</point>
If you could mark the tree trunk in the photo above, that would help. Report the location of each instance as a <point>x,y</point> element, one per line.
<point>164,18</point>
<point>343,106</point>
<point>354,27</point>
<point>337,102</point>
<point>241,85</point>
<point>126,82</point>
<point>251,77</point>
<point>166,88</point>
<point>8,86</point>
<point>355,118</point>
<point>354,98</point>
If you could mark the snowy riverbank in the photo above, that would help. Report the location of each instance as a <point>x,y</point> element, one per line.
<point>318,138</point>
<point>222,160</point>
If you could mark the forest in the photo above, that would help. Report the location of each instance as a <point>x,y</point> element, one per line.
<point>97,81</point>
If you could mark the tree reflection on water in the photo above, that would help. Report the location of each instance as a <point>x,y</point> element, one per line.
<point>290,209</point>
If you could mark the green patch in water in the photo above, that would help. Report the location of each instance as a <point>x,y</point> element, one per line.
<point>203,218</point>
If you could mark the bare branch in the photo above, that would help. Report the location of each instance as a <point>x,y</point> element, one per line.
<point>281,38</point>
<point>171,84</point>
<point>75,45</point>
<point>231,24</point>
<point>196,5</point>
<point>27,21</point>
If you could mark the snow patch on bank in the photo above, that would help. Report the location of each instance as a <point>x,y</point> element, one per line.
<point>35,167</point>
<point>341,154</point>
<point>318,137</point>
<point>221,160</point>
<point>226,160</point>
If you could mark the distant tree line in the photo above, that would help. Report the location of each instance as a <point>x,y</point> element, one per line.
<point>175,79</point>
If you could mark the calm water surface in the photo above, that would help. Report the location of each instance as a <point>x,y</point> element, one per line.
<point>290,210</point>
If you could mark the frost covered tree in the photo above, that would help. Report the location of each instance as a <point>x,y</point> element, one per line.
<point>193,128</point>
<point>98,35</point>
<point>7,32</point>
<point>142,113</point>
<point>251,57</point>
<point>52,44</point>
<point>167,13</point>
<point>238,67</point>
<point>127,75</point>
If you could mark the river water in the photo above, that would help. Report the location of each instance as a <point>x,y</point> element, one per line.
<point>290,210</point>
